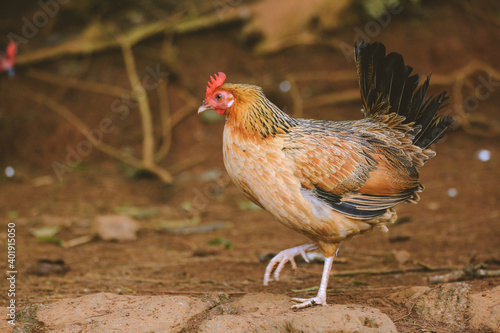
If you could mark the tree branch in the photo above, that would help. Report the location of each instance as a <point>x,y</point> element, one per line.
<point>74,120</point>
<point>166,121</point>
<point>70,82</point>
<point>140,94</point>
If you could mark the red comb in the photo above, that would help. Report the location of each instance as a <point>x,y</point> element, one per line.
<point>11,50</point>
<point>215,81</point>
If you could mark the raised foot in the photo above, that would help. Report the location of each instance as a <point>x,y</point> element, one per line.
<point>279,261</point>
<point>307,302</point>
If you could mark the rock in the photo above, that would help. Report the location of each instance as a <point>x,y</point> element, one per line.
<point>106,312</point>
<point>402,257</point>
<point>271,313</point>
<point>454,305</point>
<point>447,304</point>
<point>241,324</point>
<point>342,318</point>
<point>484,310</point>
<point>116,227</point>
<point>251,313</point>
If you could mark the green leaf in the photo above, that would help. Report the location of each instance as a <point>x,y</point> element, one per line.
<point>221,241</point>
<point>47,235</point>
<point>187,206</point>
<point>358,283</point>
<point>305,290</point>
<point>45,231</point>
<point>12,214</point>
<point>50,239</point>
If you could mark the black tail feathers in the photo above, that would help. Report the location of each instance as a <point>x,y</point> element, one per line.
<point>387,87</point>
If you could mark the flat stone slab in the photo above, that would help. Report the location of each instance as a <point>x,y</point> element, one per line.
<point>106,312</point>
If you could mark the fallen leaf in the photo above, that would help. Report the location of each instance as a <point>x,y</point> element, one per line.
<point>47,235</point>
<point>221,241</point>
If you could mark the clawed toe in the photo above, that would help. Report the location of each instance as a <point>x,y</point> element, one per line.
<point>277,264</point>
<point>285,256</point>
<point>307,302</point>
<point>279,261</point>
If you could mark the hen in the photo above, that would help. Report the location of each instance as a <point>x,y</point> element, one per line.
<point>331,180</point>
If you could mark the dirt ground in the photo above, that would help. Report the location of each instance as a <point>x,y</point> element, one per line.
<point>455,225</point>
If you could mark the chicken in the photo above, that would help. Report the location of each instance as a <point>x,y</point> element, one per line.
<point>331,180</point>
<point>7,59</point>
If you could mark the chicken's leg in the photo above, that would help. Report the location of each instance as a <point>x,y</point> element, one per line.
<point>320,298</point>
<point>285,256</point>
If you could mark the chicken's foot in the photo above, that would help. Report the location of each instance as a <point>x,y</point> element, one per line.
<point>285,256</point>
<point>320,298</point>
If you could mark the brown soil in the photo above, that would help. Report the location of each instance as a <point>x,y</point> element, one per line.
<point>441,231</point>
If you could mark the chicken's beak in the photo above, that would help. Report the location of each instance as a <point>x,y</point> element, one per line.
<point>204,107</point>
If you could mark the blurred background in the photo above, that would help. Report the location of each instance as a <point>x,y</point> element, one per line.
<point>99,132</point>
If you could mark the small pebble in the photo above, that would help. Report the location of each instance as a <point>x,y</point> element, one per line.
<point>452,192</point>
<point>116,227</point>
<point>484,155</point>
<point>9,171</point>
<point>285,86</point>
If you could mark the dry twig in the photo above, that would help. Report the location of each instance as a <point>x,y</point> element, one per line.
<point>97,37</point>
<point>391,271</point>
<point>166,121</point>
<point>187,292</point>
<point>149,157</point>
<point>70,82</point>
<point>80,125</point>
<point>471,272</point>
<point>142,98</point>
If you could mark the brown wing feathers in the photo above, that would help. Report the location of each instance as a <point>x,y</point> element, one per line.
<point>374,167</point>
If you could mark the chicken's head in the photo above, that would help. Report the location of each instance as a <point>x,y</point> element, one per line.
<point>216,97</point>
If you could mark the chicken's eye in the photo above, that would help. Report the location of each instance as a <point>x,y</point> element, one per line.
<point>218,97</point>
